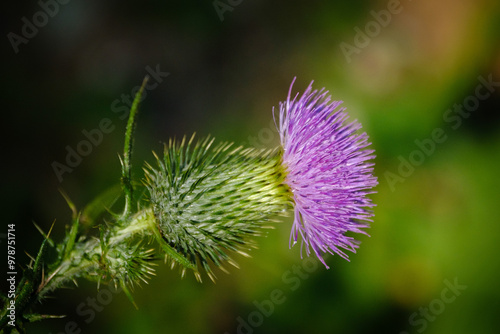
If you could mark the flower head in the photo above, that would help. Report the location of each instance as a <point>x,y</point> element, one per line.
<point>208,199</point>
<point>328,172</point>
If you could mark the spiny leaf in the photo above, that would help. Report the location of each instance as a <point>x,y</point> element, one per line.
<point>71,237</point>
<point>30,281</point>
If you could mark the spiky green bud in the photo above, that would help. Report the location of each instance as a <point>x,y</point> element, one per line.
<point>208,199</point>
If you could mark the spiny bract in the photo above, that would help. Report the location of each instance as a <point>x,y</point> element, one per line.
<point>208,199</point>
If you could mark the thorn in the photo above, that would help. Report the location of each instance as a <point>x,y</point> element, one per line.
<point>211,276</point>
<point>50,231</point>
<point>243,253</point>
<point>198,276</point>
<point>31,257</point>
<point>47,316</point>
<point>46,236</point>
<point>121,160</point>
<point>233,263</point>
<point>68,201</point>
<point>44,283</point>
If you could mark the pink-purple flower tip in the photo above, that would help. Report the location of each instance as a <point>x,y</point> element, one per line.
<point>328,170</point>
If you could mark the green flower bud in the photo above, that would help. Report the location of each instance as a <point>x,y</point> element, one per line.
<point>208,199</point>
<point>128,264</point>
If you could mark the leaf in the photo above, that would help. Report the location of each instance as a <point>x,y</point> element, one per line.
<point>100,204</point>
<point>31,279</point>
<point>71,237</point>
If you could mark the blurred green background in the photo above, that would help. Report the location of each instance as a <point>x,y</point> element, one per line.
<point>436,221</point>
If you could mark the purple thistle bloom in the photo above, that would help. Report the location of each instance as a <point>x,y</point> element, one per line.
<point>328,172</point>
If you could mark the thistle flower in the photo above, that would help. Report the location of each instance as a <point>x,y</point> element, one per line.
<point>328,171</point>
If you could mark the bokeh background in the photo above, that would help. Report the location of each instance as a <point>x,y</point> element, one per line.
<point>436,222</point>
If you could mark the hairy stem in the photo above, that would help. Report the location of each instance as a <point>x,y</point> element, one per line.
<point>127,150</point>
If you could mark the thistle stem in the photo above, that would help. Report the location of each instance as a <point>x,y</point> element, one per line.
<point>83,257</point>
<point>127,150</point>
<point>139,223</point>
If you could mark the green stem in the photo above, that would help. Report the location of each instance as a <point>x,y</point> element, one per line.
<point>79,261</point>
<point>82,258</point>
<point>127,150</point>
<point>140,223</point>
